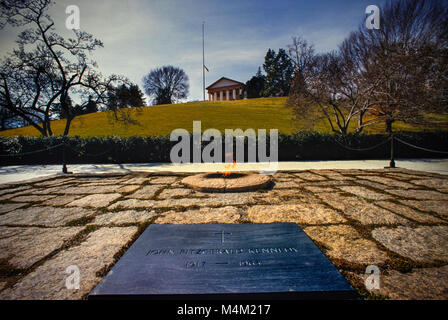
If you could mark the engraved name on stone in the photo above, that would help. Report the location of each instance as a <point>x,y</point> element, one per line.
<point>197,265</point>
<point>221,251</point>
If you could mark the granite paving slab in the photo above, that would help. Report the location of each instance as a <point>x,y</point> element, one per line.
<point>395,219</point>
<point>44,216</point>
<point>23,247</point>
<point>90,257</point>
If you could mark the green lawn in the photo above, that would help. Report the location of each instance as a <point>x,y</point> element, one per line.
<point>262,113</point>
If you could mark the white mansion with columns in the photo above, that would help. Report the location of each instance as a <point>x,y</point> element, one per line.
<point>225,89</point>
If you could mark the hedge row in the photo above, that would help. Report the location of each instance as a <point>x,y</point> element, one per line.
<point>304,145</point>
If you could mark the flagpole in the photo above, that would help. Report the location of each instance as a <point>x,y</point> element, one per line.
<point>203,61</point>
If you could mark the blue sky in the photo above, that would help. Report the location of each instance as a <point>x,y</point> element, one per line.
<point>140,35</point>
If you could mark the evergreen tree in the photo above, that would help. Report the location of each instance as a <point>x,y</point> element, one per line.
<point>136,96</point>
<point>125,97</point>
<point>255,86</point>
<point>285,72</point>
<point>279,73</point>
<point>269,68</point>
<point>91,106</point>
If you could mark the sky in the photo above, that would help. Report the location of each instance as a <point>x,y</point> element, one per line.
<point>140,35</point>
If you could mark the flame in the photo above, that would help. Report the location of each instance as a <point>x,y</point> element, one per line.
<point>228,166</point>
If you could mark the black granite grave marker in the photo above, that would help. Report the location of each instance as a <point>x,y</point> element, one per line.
<point>275,260</point>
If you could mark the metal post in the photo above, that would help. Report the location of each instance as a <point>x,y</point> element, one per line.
<point>64,157</point>
<point>392,160</point>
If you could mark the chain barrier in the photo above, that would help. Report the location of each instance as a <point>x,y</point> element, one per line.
<point>31,152</point>
<point>64,164</point>
<point>339,143</point>
<point>363,149</point>
<point>421,148</point>
<point>54,147</point>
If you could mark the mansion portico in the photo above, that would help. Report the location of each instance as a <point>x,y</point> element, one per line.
<point>225,89</point>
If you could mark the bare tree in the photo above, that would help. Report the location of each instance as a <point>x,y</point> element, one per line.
<point>301,54</point>
<point>398,72</point>
<point>324,82</point>
<point>404,63</point>
<point>330,91</point>
<point>166,85</point>
<point>47,69</point>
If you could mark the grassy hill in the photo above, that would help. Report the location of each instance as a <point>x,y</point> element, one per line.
<point>262,113</point>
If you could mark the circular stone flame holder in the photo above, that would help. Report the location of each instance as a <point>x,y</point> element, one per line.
<point>235,182</point>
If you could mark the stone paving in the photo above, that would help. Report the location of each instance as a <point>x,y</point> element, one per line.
<point>394,219</point>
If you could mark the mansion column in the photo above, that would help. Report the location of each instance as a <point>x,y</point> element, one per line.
<point>227,95</point>
<point>234,94</point>
<point>221,95</point>
<point>214,96</point>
